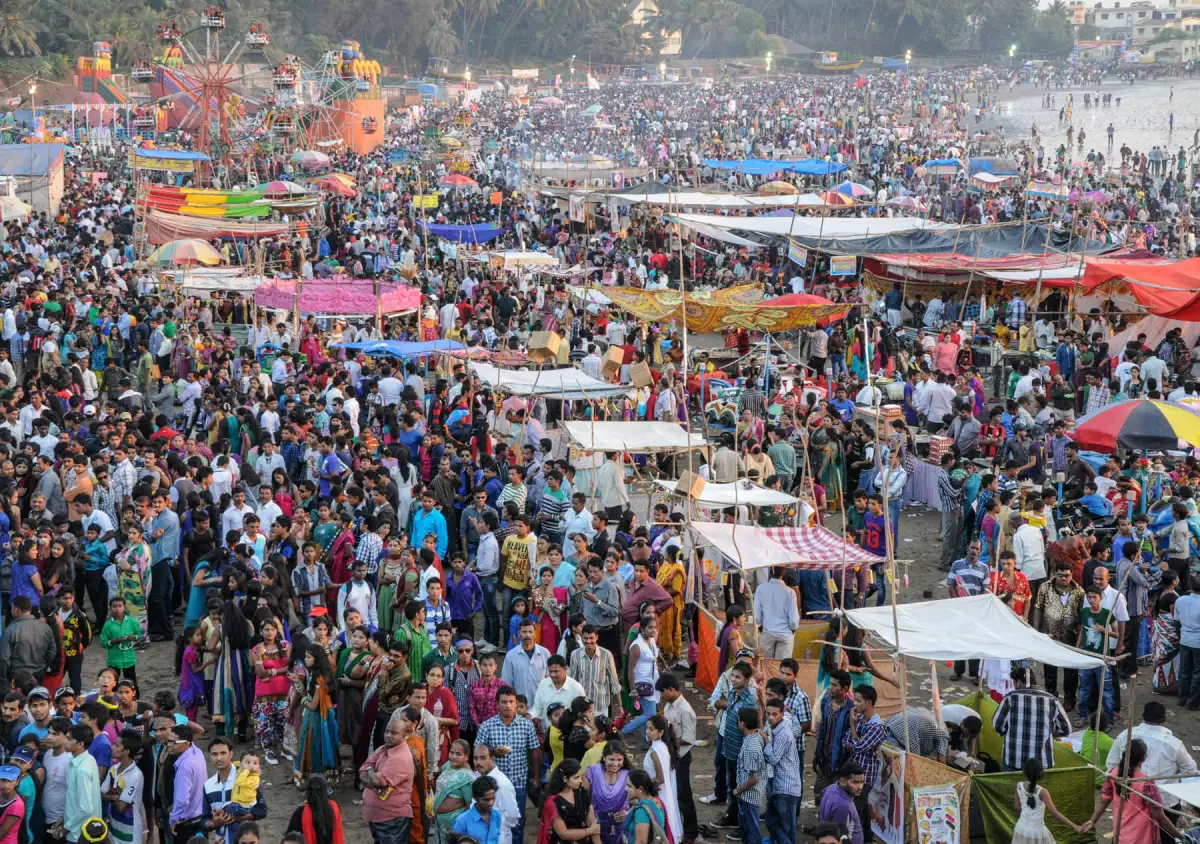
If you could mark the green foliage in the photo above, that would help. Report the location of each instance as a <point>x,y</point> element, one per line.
<point>504,33</point>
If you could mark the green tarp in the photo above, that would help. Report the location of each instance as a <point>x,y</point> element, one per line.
<point>1071,784</point>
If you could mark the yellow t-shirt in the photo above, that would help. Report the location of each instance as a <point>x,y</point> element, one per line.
<point>518,552</point>
<point>245,788</point>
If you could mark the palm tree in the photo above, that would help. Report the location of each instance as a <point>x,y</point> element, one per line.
<point>440,38</point>
<point>18,30</point>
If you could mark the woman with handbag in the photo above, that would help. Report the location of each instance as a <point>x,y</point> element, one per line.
<point>646,821</point>
<point>643,674</point>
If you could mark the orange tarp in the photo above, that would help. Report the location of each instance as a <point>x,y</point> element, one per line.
<point>1167,290</point>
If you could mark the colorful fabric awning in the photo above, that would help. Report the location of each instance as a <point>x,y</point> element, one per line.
<point>735,307</point>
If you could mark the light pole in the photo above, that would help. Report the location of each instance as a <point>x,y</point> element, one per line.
<point>32,138</point>
<point>770,56</point>
<point>571,68</point>
<point>907,59</point>
<point>467,74</point>
<point>662,71</point>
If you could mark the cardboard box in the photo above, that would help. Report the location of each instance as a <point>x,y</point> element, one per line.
<point>639,374</point>
<point>544,346</point>
<point>614,358</point>
<point>690,484</point>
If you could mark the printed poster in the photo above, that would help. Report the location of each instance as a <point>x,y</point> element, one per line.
<point>578,212</point>
<point>797,254</point>
<point>429,200</point>
<point>887,799</point>
<point>843,265</point>
<point>938,818</point>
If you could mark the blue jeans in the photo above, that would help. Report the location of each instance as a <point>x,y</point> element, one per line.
<point>648,710</point>
<point>839,365</point>
<point>879,587</point>
<point>748,822</point>
<point>491,619</point>
<point>894,519</point>
<point>522,795</point>
<point>395,831</point>
<point>781,817</point>
<point>1089,679</point>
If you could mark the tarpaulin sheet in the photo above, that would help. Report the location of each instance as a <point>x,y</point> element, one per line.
<point>969,243</point>
<point>565,384</point>
<point>766,166</point>
<point>338,295</point>
<point>995,166</point>
<point>1070,781</point>
<point>401,349</point>
<point>480,233</point>
<point>163,228</point>
<point>1169,290</point>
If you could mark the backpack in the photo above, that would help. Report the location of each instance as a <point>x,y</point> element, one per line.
<point>37,337</point>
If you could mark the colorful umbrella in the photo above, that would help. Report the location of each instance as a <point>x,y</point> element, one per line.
<point>832,197</point>
<point>1141,425</point>
<point>185,253</point>
<point>335,186</point>
<point>309,159</point>
<point>283,188</point>
<point>908,203</point>
<point>457,180</point>
<point>855,190</point>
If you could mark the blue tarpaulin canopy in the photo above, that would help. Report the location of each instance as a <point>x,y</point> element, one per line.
<point>401,349</point>
<point>943,162</point>
<point>479,233</point>
<point>29,159</point>
<point>765,166</point>
<point>172,154</point>
<point>995,166</point>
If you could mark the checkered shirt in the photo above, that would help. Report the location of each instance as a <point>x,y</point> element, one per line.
<point>752,760</point>
<point>1029,720</point>
<point>928,737</point>
<point>520,736</point>
<point>865,749</point>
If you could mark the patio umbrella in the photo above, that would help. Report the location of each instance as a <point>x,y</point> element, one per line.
<point>283,188</point>
<point>855,190</point>
<point>908,203</point>
<point>457,180</point>
<point>335,186</point>
<point>833,197</point>
<point>777,188</point>
<point>309,159</point>
<point>594,108</point>
<point>185,253</point>
<point>1141,424</point>
<point>550,101</point>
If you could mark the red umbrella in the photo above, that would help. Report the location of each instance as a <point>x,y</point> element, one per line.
<point>832,197</point>
<point>798,300</point>
<point>457,180</point>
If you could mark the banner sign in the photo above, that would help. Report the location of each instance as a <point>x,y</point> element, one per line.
<point>887,799</point>
<point>939,820</point>
<point>843,265</point>
<point>797,254</point>
<point>525,73</point>
<point>429,200</point>
<point>167,165</point>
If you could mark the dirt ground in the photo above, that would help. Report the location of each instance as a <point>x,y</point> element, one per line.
<point>918,525</point>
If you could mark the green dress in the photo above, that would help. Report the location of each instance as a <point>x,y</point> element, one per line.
<point>418,640</point>
<point>451,782</point>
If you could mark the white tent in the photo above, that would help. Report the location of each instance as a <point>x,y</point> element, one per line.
<point>654,195</point>
<point>632,436</point>
<point>979,627</point>
<point>567,384</point>
<point>751,547</point>
<point>830,227</point>
<point>741,492</point>
<point>1188,790</point>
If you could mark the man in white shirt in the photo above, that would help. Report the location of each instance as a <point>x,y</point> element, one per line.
<point>1030,548</point>
<point>506,794</point>
<point>1166,755</point>
<point>1154,368</point>
<point>591,364</point>
<point>268,462</point>
<point>940,403</point>
<point>555,688</point>
<point>235,513</point>
<point>578,519</point>
<point>390,387</point>
<point>1114,602</point>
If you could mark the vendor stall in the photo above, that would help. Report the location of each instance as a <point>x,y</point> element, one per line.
<point>338,296</point>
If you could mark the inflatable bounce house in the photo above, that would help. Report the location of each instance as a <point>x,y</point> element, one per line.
<point>93,80</point>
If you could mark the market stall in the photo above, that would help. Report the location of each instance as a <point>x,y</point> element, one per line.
<point>338,296</point>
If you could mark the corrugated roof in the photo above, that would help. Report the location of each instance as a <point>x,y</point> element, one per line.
<point>29,159</point>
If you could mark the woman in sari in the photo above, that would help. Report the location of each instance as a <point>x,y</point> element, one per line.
<point>420,789</point>
<point>673,578</point>
<point>441,704</point>
<point>547,602</point>
<point>1164,641</point>
<point>1142,816</point>
<point>317,744</point>
<point>646,812</point>
<point>730,640</point>
<point>133,575</point>
<point>660,763</point>
<point>607,781</point>
<point>353,665</point>
<point>453,795</point>
<point>391,569</point>
<point>233,692</point>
